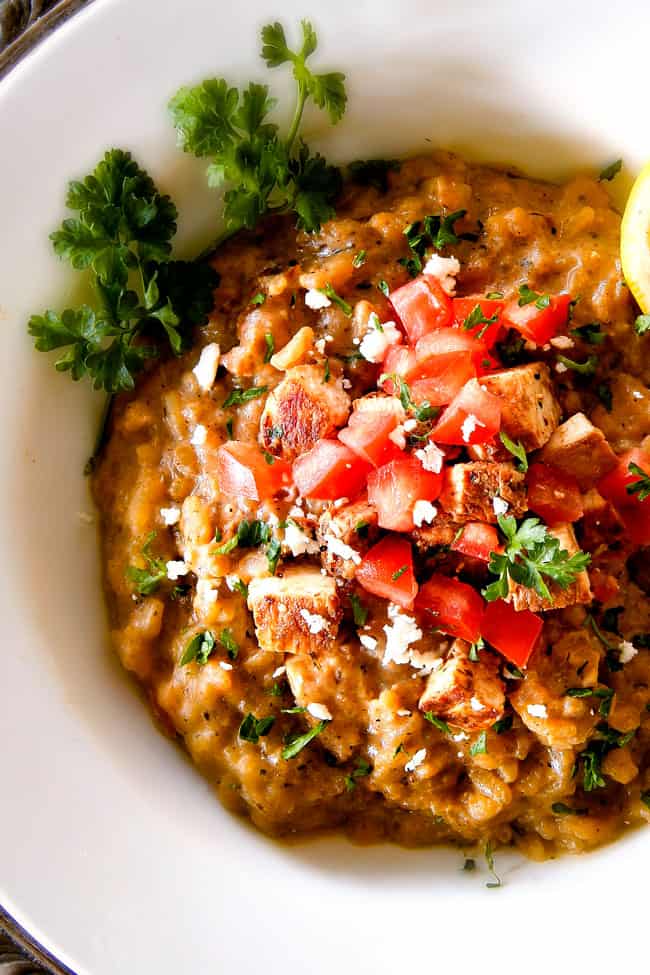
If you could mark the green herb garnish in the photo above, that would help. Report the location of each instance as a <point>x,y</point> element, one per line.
<point>474,649</point>
<point>399,573</point>
<point>517,451</point>
<point>489,859</point>
<point>476,318</point>
<point>270,347</point>
<point>609,172</point>
<point>199,649</point>
<point>295,743</point>
<point>479,746</point>
<point>359,611</point>
<point>642,324</point>
<point>258,299</point>
<point>359,259</point>
<point>561,809</point>
<point>336,299</point>
<point>590,333</point>
<point>373,172</point>
<point>527,296</point>
<point>147,580</point>
<point>586,368</point>
<point>252,728</point>
<point>604,693</point>
<point>361,769</point>
<point>238,396</point>
<point>641,486</point>
<point>437,722</point>
<point>604,394</point>
<point>502,725</point>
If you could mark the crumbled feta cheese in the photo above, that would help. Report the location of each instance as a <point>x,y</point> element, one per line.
<point>206,368</point>
<point>409,425</point>
<point>627,651</point>
<point>546,347</point>
<point>346,384</point>
<point>336,547</point>
<point>562,342</point>
<point>368,642</point>
<point>499,506</point>
<point>315,622</point>
<point>469,425</point>
<point>537,710</point>
<point>170,516</point>
<point>636,394</point>
<point>319,711</point>
<point>398,438</point>
<point>424,661</point>
<point>316,300</point>
<point>232,581</point>
<point>225,665</point>
<point>298,542</point>
<point>403,713</point>
<point>431,457</point>
<point>423,512</point>
<point>476,705</point>
<point>460,736</point>
<point>199,435</point>
<point>207,591</point>
<point>445,269</point>
<point>400,634</point>
<point>417,760</point>
<point>319,345</point>
<point>560,367</point>
<point>378,339</point>
<point>279,672</point>
<point>176,569</point>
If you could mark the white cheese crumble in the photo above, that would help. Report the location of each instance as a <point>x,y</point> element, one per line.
<point>378,339</point>
<point>416,761</point>
<point>537,710</point>
<point>445,269</point>
<point>368,642</point>
<point>469,425</point>
<point>627,651</point>
<point>279,672</point>
<point>409,425</point>
<point>225,665</point>
<point>207,591</point>
<point>423,512</point>
<point>461,736</point>
<point>562,342</point>
<point>298,542</point>
<point>319,345</point>
<point>320,712</point>
<point>403,713</point>
<point>346,384</point>
<point>315,622</point>
<point>316,300</point>
<point>336,547</point>
<point>499,506</point>
<point>400,634</point>
<point>636,394</point>
<point>476,705</point>
<point>199,435</point>
<point>560,367</point>
<point>398,438</point>
<point>176,569</point>
<point>206,368</point>
<point>431,458</point>
<point>170,516</point>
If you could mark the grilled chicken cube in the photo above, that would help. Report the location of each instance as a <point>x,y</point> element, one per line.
<point>298,612</point>
<point>580,449</point>
<point>473,491</point>
<point>529,409</point>
<point>301,410</point>
<point>345,535</point>
<point>579,591</point>
<point>441,531</point>
<point>469,695</point>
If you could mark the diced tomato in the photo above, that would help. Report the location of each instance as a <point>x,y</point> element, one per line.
<point>387,571</point>
<point>477,540</point>
<point>487,363</point>
<point>512,633</point>
<point>552,495</point>
<point>441,390</point>
<point>401,361</point>
<point>436,350</point>
<point>474,416</point>
<point>634,512</point>
<point>451,606</point>
<point>243,471</point>
<point>422,306</point>
<point>368,435</point>
<point>539,325</point>
<point>463,308</point>
<point>330,470</point>
<point>394,488</point>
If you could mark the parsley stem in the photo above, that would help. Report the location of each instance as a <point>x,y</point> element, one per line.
<point>297,116</point>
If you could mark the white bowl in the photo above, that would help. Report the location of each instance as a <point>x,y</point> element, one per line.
<point>113,851</point>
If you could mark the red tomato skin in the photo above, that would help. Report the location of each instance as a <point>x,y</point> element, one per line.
<point>452,606</point>
<point>463,308</point>
<point>329,471</point>
<point>367,434</point>
<point>613,486</point>
<point>394,488</point>
<point>435,350</point>
<point>242,471</point>
<point>538,325</point>
<point>475,401</point>
<point>477,540</point>
<point>381,563</point>
<point>441,389</point>
<point>514,634</point>
<point>422,306</point>
<point>552,495</point>
<point>400,360</point>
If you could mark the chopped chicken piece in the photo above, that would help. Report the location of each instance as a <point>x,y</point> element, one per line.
<point>469,695</point>
<point>579,591</point>
<point>337,531</point>
<point>441,531</point>
<point>580,449</point>
<point>298,612</point>
<point>529,409</point>
<point>469,490</point>
<point>301,410</point>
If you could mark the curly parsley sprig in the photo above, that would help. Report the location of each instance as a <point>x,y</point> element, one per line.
<point>122,236</point>
<point>532,554</point>
<point>263,172</point>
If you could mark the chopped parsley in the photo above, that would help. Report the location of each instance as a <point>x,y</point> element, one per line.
<point>336,299</point>
<point>645,798</point>
<point>228,642</point>
<point>605,740</point>
<point>517,451</point>
<point>642,324</point>
<point>250,534</point>
<point>527,296</point>
<point>476,318</point>
<point>641,486</point>
<point>605,694</point>
<point>359,611</point>
<point>258,299</point>
<point>423,412</point>
<point>437,722</point>
<point>495,295</point>
<point>586,368</point>
<point>240,586</point>
<point>361,528</point>
<point>270,347</point>
<point>479,746</point>
<point>146,580</point>
<point>359,259</point>
<point>474,649</point>
<point>252,728</point>
<point>273,551</point>
<point>609,172</point>
<point>590,333</point>
<point>383,287</point>
<point>238,396</point>
<point>612,657</point>
<point>399,573</point>
<point>561,809</point>
<point>326,372</point>
<point>361,769</point>
<point>199,649</point>
<point>502,725</point>
<point>230,427</point>
<point>435,232</point>
<point>373,172</point>
<point>604,394</point>
<point>294,744</point>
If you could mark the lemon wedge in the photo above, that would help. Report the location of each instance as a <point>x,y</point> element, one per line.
<point>635,240</point>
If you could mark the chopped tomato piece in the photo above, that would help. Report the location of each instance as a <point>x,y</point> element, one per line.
<point>400,360</point>
<point>422,306</point>
<point>394,488</point>
<point>329,471</point>
<point>436,350</point>
<point>512,633</point>
<point>538,324</point>
<point>474,416</point>
<point>387,571</point>
<point>477,540</point>
<point>489,308</point>
<point>451,606</point>
<point>487,363</point>
<point>243,471</point>
<point>614,486</point>
<point>368,435</point>
<point>552,495</point>
<point>441,389</point>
